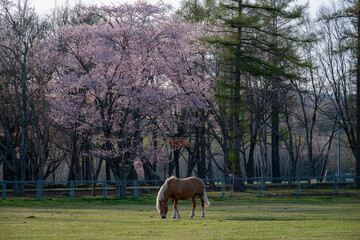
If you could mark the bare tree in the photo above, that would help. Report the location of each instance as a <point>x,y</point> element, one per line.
<point>19,31</point>
<point>339,56</point>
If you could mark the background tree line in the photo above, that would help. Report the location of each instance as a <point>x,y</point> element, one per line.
<point>240,88</point>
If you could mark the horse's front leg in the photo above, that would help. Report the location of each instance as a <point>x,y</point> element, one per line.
<point>176,211</point>
<point>193,207</point>
<point>173,202</point>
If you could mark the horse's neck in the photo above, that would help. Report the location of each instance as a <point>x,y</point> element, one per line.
<point>166,195</point>
<point>162,194</point>
<point>166,198</point>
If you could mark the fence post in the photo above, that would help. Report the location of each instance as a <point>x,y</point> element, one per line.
<point>4,191</point>
<point>298,187</point>
<point>39,190</point>
<point>223,187</point>
<point>72,190</point>
<point>260,182</point>
<point>136,193</point>
<point>104,189</point>
<point>336,185</point>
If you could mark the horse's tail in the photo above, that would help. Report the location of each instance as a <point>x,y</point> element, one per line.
<point>206,200</point>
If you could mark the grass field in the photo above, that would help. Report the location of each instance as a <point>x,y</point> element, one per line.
<point>321,217</point>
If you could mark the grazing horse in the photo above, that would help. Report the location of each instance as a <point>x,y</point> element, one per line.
<point>181,189</point>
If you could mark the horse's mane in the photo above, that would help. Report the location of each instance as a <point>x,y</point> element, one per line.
<point>170,178</point>
<point>160,196</point>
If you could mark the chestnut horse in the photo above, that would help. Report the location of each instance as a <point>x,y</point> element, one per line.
<point>181,189</point>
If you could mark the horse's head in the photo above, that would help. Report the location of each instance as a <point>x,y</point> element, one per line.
<point>161,201</point>
<point>162,208</point>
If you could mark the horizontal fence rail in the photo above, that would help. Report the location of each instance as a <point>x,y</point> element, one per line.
<point>222,187</point>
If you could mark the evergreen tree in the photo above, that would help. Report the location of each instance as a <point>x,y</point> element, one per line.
<point>251,48</point>
<point>199,10</point>
<point>283,30</point>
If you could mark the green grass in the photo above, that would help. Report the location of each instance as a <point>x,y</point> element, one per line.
<point>320,217</point>
<point>270,192</point>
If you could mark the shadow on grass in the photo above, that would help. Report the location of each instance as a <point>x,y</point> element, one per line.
<point>264,219</point>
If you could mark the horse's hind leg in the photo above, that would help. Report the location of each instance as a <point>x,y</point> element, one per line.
<point>202,206</point>
<point>193,207</point>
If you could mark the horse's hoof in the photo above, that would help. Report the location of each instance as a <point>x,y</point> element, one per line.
<point>173,217</point>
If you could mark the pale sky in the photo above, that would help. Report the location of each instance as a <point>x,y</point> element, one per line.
<point>44,6</point>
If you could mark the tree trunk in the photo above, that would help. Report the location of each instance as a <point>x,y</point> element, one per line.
<point>249,166</point>
<point>21,168</point>
<point>238,184</point>
<point>86,164</point>
<point>174,164</point>
<point>357,151</point>
<point>149,172</point>
<point>74,161</point>
<point>202,147</point>
<point>202,163</point>
<point>324,165</point>
<point>275,139</point>
<point>120,176</point>
<point>120,189</point>
<point>155,146</point>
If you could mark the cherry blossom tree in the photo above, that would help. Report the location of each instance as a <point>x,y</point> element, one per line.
<point>120,77</point>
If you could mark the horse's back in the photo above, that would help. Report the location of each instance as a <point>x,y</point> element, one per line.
<point>186,188</point>
<point>196,181</point>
